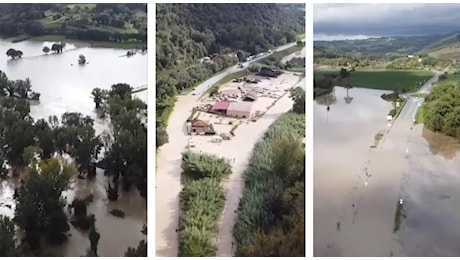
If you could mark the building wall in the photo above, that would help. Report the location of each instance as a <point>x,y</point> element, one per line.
<point>198,130</point>
<point>239,114</point>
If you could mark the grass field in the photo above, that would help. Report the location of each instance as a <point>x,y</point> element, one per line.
<point>384,79</point>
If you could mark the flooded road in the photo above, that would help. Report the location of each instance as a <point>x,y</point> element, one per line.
<point>342,140</point>
<point>66,87</point>
<point>357,191</point>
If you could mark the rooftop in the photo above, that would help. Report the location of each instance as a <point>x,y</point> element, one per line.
<point>221,105</point>
<point>241,106</point>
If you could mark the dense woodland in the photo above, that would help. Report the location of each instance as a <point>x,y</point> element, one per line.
<point>188,32</point>
<point>36,156</point>
<point>93,22</point>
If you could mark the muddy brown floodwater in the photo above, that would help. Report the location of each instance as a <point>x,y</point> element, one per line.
<point>66,87</point>
<point>357,188</point>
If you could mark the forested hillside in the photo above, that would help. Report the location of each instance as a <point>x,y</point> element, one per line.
<point>188,32</point>
<point>95,22</point>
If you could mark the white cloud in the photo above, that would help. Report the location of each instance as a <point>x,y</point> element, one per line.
<point>385,19</point>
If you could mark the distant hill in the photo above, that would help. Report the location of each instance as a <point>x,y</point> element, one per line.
<point>396,44</point>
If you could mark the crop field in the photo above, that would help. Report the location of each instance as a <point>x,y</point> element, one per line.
<point>402,80</point>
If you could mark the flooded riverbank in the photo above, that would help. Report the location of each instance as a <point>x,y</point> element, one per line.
<point>66,86</point>
<point>357,189</point>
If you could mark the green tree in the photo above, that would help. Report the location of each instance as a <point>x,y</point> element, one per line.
<point>298,95</point>
<point>40,207</point>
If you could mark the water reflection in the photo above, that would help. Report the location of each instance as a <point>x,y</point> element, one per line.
<point>327,99</point>
<point>440,144</point>
<point>67,88</point>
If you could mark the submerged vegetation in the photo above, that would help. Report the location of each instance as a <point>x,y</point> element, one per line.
<point>202,201</point>
<point>39,156</point>
<point>271,212</point>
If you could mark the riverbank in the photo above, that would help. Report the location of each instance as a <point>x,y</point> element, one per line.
<point>80,43</point>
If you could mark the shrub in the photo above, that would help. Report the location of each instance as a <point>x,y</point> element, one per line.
<point>197,166</point>
<point>202,202</point>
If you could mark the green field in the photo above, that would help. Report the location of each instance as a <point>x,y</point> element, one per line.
<point>384,79</point>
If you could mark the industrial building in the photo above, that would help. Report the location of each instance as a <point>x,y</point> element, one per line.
<point>240,109</point>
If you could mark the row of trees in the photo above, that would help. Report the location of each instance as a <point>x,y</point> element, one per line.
<point>271,213</point>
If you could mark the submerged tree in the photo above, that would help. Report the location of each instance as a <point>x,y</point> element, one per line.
<point>40,207</point>
<point>46,49</point>
<point>140,251</point>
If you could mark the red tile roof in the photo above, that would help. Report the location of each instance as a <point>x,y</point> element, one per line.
<point>221,105</point>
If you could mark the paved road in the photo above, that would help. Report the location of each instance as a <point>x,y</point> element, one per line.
<point>410,109</point>
<point>199,90</point>
<point>168,184</point>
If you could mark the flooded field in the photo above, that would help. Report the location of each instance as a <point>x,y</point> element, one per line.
<point>357,188</point>
<point>66,87</point>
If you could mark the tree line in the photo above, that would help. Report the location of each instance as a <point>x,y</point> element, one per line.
<point>79,22</point>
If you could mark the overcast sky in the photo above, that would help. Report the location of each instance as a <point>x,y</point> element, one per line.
<point>340,21</point>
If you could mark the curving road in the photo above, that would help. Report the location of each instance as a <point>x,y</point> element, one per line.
<point>168,184</point>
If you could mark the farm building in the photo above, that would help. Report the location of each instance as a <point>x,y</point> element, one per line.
<point>240,109</point>
<point>221,107</point>
<point>200,126</point>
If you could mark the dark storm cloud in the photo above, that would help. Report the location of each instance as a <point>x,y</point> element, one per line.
<point>385,19</point>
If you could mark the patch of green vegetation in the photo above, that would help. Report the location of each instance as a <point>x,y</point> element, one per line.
<point>117,213</point>
<point>118,23</point>
<point>419,95</point>
<point>419,116</point>
<point>441,109</point>
<point>377,138</point>
<point>301,36</point>
<point>274,60</point>
<point>201,200</point>
<point>270,219</point>
<point>399,216</point>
